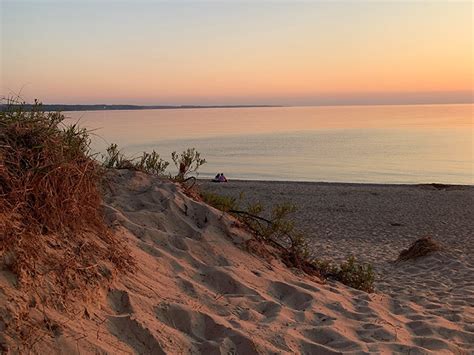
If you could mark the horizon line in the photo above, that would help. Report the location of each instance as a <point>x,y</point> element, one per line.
<point>123,107</point>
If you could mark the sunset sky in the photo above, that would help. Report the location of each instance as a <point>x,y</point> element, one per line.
<point>235,52</point>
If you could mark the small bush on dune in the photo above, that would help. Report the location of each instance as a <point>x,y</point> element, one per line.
<point>360,276</point>
<point>349,272</point>
<point>114,159</point>
<point>421,247</point>
<point>187,162</point>
<point>150,163</point>
<point>279,230</point>
<point>223,203</point>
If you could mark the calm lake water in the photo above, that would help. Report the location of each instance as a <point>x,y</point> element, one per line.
<point>379,144</point>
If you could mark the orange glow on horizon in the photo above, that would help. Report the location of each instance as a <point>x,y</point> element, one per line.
<point>263,56</point>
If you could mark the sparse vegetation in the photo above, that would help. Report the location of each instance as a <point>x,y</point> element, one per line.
<point>150,163</point>
<point>279,230</point>
<point>50,206</point>
<point>350,273</point>
<point>421,247</point>
<point>114,158</point>
<point>223,203</point>
<point>188,162</point>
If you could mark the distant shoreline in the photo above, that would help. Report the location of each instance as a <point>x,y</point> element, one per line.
<point>106,107</point>
<point>99,107</point>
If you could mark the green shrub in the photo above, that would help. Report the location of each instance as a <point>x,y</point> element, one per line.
<point>350,272</point>
<point>325,267</point>
<point>359,276</point>
<point>150,163</point>
<point>279,230</point>
<point>114,159</point>
<point>223,203</point>
<point>187,162</point>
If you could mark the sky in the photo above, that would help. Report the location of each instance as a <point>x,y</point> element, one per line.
<point>236,52</point>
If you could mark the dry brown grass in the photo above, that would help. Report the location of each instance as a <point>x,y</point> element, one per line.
<point>53,238</point>
<point>421,247</point>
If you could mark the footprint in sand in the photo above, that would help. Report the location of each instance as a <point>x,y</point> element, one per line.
<point>133,333</point>
<point>310,348</point>
<point>331,338</point>
<point>126,328</point>
<point>432,343</point>
<point>119,301</point>
<point>321,319</point>
<point>372,333</point>
<point>206,333</point>
<point>224,282</point>
<point>269,309</point>
<point>291,296</point>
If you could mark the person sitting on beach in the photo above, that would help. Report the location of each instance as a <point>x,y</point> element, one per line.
<point>219,178</point>
<point>222,178</point>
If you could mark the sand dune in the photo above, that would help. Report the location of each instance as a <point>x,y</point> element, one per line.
<point>196,290</point>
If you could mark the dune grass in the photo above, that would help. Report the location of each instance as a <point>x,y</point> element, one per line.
<point>53,237</point>
<point>421,247</point>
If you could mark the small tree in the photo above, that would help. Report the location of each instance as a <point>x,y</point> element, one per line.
<point>187,162</point>
<point>152,163</point>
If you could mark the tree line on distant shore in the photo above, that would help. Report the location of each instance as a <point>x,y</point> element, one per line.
<point>105,107</point>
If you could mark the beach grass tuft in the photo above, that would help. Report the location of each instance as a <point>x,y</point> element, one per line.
<point>221,202</point>
<point>421,247</point>
<point>53,236</point>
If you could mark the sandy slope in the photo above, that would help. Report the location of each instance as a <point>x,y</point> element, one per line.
<point>375,222</point>
<point>196,291</point>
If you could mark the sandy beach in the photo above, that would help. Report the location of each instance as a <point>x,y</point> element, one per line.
<point>197,289</point>
<point>374,223</point>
